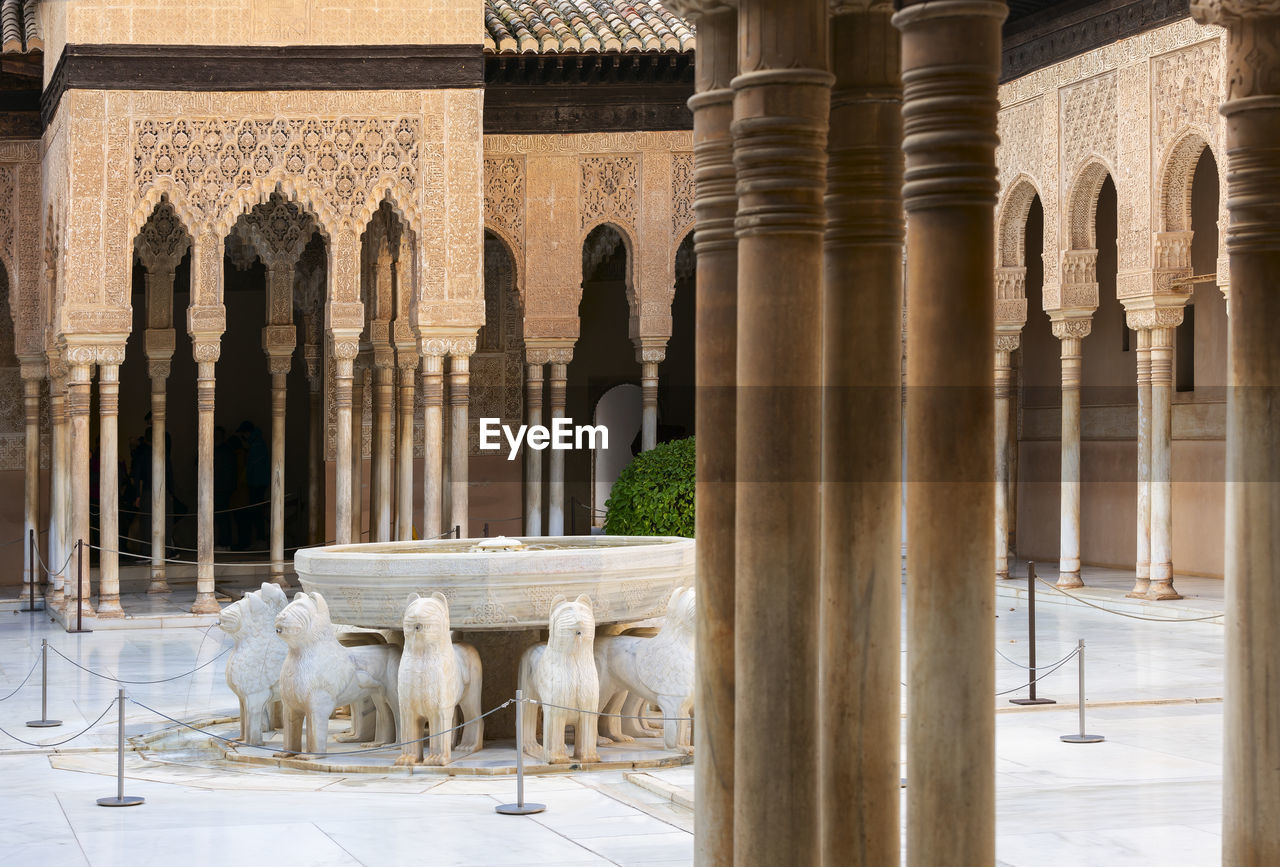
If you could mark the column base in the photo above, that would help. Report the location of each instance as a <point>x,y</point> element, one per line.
<point>1069,581</point>
<point>280,581</point>
<point>1161,591</point>
<point>55,599</point>
<point>1140,587</point>
<point>109,608</point>
<point>1002,574</point>
<point>158,585</point>
<point>205,604</point>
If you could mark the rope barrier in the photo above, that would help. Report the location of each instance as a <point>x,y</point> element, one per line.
<point>1084,601</point>
<point>602,713</point>
<point>149,559</point>
<point>197,550</point>
<point>94,510</point>
<point>24,681</point>
<point>275,748</point>
<point>1038,667</point>
<point>223,653</point>
<point>1039,677</point>
<point>64,740</point>
<point>45,566</point>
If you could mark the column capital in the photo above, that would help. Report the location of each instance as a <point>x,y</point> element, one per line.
<point>1155,312</point>
<point>345,343</point>
<point>206,322</point>
<point>545,351</point>
<point>1006,342</point>
<point>650,349</point>
<point>159,344</point>
<point>1068,328</point>
<point>34,367</point>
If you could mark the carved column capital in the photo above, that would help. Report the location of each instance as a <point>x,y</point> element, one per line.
<point>1167,316</point>
<point>1073,328</point>
<point>346,345</point>
<point>544,351</point>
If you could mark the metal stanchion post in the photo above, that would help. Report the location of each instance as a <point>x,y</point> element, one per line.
<point>44,722</point>
<point>120,799</point>
<point>457,531</point>
<point>31,571</point>
<point>519,808</point>
<point>1081,738</point>
<point>80,597</point>
<point>1031,640</point>
<point>486,530</point>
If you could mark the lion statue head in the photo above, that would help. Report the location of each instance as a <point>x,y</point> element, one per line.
<point>255,612</point>
<point>571,624</point>
<point>427,618</point>
<point>304,620</point>
<point>682,613</point>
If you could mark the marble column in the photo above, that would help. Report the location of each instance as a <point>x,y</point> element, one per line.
<point>861,563</point>
<point>59,464</point>
<point>1005,345</point>
<point>313,356</point>
<point>384,389</point>
<point>33,374</point>
<point>158,367</point>
<point>716,348</point>
<point>1142,569</point>
<point>345,347</point>
<point>206,352</point>
<point>950,69</point>
<point>1162,464</point>
<point>1251,786</point>
<point>78,587</point>
<point>649,399</point>
<point>358,369</point>
<point>533,457</point>
<point>781,105</point>
<point>459,446</point>
<point>433,439</point>
<point>559,377</point>
<point>109,360</point>
<point>1070,333</point>
<point>280,359</point>
<point>407,362</point>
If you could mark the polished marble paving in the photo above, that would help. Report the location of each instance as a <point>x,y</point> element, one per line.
<point>1150,794</point>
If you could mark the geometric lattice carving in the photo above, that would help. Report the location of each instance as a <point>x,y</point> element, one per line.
<point>504,195</point>
<point>278,230</point>
<point>608,190</point>
<point>1088,111</point>
<point>682,193</point>
<point>1082,204</point>
<point>1013,224</point>
<point>1175,183</point>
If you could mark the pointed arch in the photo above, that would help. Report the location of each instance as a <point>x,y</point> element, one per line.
<point>1177,169</point>
<point>1082,202</point>
<point>1011,228</point>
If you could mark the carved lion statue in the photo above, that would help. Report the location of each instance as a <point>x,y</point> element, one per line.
<point>319,674</point>
<point>658,670</point>
<point>253,668</point>
<point>562,672</point>
<point>436,676</point>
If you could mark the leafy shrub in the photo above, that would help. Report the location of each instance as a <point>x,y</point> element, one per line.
<point>654,494</point>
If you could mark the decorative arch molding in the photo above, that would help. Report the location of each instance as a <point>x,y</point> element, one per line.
<point>629,246</point>
<point>1012,225</point>
<point>1177,169</point>
<point>1082,202</point>
<point>514,252</point>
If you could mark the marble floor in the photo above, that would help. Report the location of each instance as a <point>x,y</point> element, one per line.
<point>1150,794</point>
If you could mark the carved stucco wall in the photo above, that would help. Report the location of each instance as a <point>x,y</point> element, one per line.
<point>545,193</point>
<point>260,22</point>
<point>1138,108</point>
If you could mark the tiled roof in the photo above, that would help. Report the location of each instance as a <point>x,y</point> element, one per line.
<point>19,27</point>
<point>583,26</point>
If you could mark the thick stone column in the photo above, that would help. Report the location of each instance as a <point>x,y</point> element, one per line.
<point>559,377</point>
<point>950,63</point>
<point>345,347</point>
<point>1005,345</point>
<point>781,105</point>
<point>384,390</point>
<point>716,244</point>
<point>533,457</point>
<point>459,446</point>
<point>78,588</point>
<point>1070,332</point>
<point>109,360</point>
<point>1162,464</point>
<point>1142,566</point>
<point>33,374</point>
<point>159,348</point>
<point>861,588</point>
<point>1251,786</point>
<point>407,363</point>
<point>649,359</point>
<point>206,352</point>
<point>433,437</point>
<point>59,465</point>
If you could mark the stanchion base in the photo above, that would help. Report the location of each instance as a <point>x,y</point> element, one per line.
<point>30,610</point>
<point>74,631</point>
<point>126,801</point>
<point>1025,701</point>
<point>1082,739</point>
<point>519,809</point>
<point>43,723</point>
<point>902,782</point>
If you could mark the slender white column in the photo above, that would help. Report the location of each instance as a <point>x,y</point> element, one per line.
<point>32,376</point>
<point>345,349</point>
<point>1161,465</point>
<point>280,364</point>
<point>533,457</point>
<point>459,447</point>
<point>555,463</point>
<point>648,404</point>
<point>109,482</point>
<point>407,359</point>
<point>1070,332</point>
<point>1004,345</point>
<point>1142,567</point>
<point>206,354</point>
<point>433,442</point>
<point>313,355</point>
<point>159,518</point>
<point>359,365</point>
<point>58,467</point>
<point>79,587</point>
<point>384,374</point>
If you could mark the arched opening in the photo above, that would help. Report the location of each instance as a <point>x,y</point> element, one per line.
<point>12,429</point>
<point>619,411</point>
<point>603,357</point>
<point>676,384</point>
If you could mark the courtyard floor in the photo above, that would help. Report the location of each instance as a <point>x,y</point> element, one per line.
<point>1150,794</point>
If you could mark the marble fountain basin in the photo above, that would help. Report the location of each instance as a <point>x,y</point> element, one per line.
<point>498,584</point>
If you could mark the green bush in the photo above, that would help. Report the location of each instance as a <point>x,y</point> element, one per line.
<point>654,494</point>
